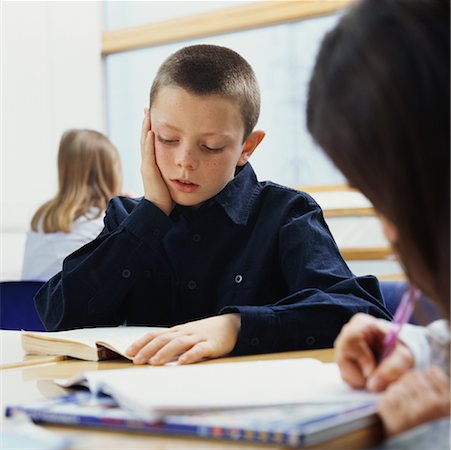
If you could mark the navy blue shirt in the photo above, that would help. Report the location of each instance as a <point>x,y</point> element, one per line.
<point>256,248</point>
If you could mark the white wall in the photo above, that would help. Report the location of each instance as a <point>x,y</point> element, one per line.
<point>122,14</point>
<point>51,80</point>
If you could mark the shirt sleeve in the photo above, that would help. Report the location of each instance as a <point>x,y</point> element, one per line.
<point>323,293</point>
<point>429,345</point>
<point>96,278</point>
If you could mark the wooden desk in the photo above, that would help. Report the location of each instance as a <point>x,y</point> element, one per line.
<point>34,382</point>
<point>12,355</point>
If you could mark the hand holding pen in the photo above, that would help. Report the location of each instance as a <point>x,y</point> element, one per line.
<point>402,315</point>
<point>368,352</point>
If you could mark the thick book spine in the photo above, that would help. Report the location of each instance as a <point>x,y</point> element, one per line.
<point>104,353</point>
<point>82,409</point>
<point>169,427</point>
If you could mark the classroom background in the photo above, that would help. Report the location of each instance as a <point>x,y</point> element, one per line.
<point>90,65</point>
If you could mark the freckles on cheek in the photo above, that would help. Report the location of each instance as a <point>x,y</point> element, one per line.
<point>217,169</point>
<point>220,160</point>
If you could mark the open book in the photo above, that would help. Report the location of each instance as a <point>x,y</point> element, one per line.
<point>91,344</point>
<point>153,392</point>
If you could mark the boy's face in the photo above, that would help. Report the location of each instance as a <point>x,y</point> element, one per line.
<point>198,143</point>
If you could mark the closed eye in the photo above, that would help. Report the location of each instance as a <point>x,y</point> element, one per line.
<point>166,141</point>
<point>212,149</point>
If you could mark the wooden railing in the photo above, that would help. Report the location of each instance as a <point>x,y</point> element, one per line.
<point>354,253</point>
<point>244,17</point>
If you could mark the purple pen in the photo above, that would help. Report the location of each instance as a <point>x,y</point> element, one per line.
<point>402,315</point>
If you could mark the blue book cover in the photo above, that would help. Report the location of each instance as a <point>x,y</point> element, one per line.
<point>290,425</point>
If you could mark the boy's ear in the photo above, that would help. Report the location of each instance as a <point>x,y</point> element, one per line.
<point>250,145</point>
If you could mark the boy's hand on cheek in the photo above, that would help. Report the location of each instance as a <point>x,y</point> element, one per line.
<point>155,189</point>
<point>188,343</point>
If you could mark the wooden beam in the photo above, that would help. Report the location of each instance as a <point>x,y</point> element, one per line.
<point>313,188</point>
<point>253,15</point>
<point>392,277</point>
<point>349,212</point>
<point>367,253</point>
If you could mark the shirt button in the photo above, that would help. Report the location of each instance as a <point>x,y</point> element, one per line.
<point>156,232</point>
<point>192,285</point>
<point>238,278</point>
<point>126,273</point>
<point>196,237</point>
<point>310,340</point>
<point>255,341</point>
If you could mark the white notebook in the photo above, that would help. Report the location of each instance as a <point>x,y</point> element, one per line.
<point>156,391</point>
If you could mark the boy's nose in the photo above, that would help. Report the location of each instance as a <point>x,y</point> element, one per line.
<point>185,158</point>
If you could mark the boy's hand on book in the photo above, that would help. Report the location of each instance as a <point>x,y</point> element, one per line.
<point>188,343</point>
<point>356,351</point>
<point>155,189</point>
<point>417,397</point>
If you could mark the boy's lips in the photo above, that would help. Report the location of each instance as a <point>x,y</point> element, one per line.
<point>184,185</point>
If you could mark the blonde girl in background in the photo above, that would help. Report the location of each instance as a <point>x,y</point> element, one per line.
<point>89,174</point>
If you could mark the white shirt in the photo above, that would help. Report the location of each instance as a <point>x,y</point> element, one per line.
<point>429,345</point>
<point>45,252</point>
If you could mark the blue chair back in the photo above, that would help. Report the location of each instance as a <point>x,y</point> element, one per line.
<point>425,310</point>
<point>17,309</point>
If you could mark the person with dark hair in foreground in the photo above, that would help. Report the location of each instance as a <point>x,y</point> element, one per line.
<point>379,106</point>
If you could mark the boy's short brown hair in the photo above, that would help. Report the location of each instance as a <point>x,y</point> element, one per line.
<point>212,70</point>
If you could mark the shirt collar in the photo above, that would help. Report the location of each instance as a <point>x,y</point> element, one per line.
<point>237,197</point>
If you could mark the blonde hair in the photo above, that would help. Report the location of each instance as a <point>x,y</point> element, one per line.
<point>89,174</point>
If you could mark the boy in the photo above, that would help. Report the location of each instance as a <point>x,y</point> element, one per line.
<point>244,266</point>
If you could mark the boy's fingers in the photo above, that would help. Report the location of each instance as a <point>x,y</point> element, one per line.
<point>147,143</point>
<point>148,161</point>
<point>149,349</point>
<point>133,348</point>
<point>146,148</point>
<point>172,349</point>
<point>145,128</point>
<point>196,353</point>
<point>144,344</point>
